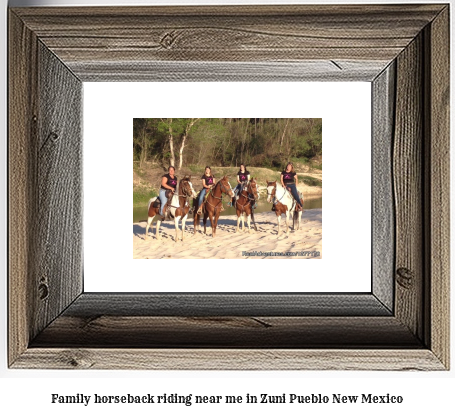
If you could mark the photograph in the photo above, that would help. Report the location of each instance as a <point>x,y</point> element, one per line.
<point>227,188</point>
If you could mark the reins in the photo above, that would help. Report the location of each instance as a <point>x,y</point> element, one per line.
<point>185,195</point>
<point>223,190</point>
<point>247,196</point>
<point>276,200</point>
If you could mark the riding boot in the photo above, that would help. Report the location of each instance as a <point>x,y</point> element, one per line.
<point>200,209</point>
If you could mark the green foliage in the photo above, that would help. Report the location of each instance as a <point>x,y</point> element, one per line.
<point>264,142</point>
<point>311,181</point>
<point>196,169</point>
<point>141,196</point>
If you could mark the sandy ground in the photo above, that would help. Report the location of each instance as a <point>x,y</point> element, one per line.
<point>228,244</point>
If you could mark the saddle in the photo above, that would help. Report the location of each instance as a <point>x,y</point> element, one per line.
<point>157,202</point>
<point>293,198</point>
<point>166,210</point>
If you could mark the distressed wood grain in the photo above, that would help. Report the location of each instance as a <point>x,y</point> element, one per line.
<point>169,71</point>
<point>22,129</point>
<point>258,332</point>
<point>407,176</point>
<point>438,192</point>
<point>228,359</point>
<point>230,34</point>
<point>58,200</point>
<point>383,215</point>
<point>215,305</point>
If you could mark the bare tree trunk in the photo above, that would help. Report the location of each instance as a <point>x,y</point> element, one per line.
<point>244,140</point>
<point>284,133</point>
<point>171,139</point>
<point>184,136</point>
<point>171,142</point>
<point>143,156</point>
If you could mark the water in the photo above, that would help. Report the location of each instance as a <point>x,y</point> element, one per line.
<point>309,202</point>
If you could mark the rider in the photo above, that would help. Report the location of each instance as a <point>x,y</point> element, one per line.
<point>208,181</point>
<point>243,175</point>
<point>289,181</point>
<point>168,182</point>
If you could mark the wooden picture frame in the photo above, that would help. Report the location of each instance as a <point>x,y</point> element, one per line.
<point>403,324</point>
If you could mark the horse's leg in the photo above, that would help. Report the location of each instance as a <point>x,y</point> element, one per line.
<point>278,218</point>
<point>287,221</point>
<point>149,222</point>
<point>195,223</point>
<point>215,223</point>
<point>176,223</point>
<point>243,221</point>
<point>204,220</point>
<point>238,223</point>
<point>183,226</point>
<point>212,223</point>
<point>300,220</point>
<point>158,223</point>
<point>249,223</point>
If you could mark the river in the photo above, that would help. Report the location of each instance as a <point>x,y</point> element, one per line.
<point>309,202</point>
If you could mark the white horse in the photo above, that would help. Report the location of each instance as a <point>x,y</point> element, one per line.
<point>179,208</point>
<point>284,203</point>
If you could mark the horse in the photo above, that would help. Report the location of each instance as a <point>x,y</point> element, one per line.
<point>244,204</point>
<point>284,203</point>
<point>179,208</point>
<point>212,205</point>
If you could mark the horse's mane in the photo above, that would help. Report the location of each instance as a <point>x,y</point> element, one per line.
<point>219,181</point>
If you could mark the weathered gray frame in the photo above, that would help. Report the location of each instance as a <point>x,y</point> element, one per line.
<point>403,50</point>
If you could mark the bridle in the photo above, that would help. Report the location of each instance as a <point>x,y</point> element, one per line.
<point>275,200</point>
<point>185,190</point>
<point>223,190</point>
<point>185,194</point>
<point>249,191</point>
<point>273,195</point>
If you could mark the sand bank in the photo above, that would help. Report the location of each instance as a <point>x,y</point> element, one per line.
<point>261,244</point>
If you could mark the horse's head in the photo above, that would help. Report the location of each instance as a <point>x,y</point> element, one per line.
<point>271,191</point>
<point>187,187</point>
<point>253,189</point>
<point>226,186</point>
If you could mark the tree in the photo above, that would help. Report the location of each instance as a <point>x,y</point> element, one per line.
<point>168,121</point>
<point>185,133</point>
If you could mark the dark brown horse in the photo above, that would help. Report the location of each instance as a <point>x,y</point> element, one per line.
<point>244,204</point>
<point>212,205</point>
<point>179,207</point>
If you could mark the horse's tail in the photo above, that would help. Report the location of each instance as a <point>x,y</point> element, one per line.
<point>150,202</point>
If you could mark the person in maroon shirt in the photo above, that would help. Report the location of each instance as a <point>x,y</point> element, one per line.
<point>243,175</point>
<point>168,182</point>
<point>208,181</point>
<point>289,180</point>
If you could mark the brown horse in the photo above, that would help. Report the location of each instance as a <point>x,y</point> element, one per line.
<point>244,204</point>
<point>284,204</point>
<point>212,205</point>
<point>179,208</point>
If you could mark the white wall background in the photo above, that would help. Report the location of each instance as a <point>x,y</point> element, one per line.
<point>346,233</point>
